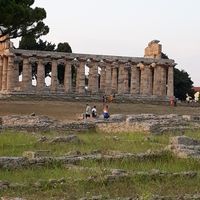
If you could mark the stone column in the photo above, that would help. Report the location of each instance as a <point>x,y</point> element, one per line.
<point>108,80</point>
<point>54,76</point>
<point>114,78</point>
<point>126,86</point>
<point>1,71</point>
<point>77,78</point>
<point>81,69</point>
<point>170,85</point>
<point>103,79</point>
<point>95,78</point>
<point>121,79</point>
<point>156,86</point>
<point>4,77</point>
<point>142,79</point>
<point>135,82</point>
<point>40,76</point>
<point>10,73</point>
<point>68,77</point>
<point>26,75</point>
<point>159,88</point>
<point>16,74</point>
<point>90,77</point>
<point>147,81</point>
<point>163,81</point>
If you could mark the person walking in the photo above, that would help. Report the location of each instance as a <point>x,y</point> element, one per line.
<point>87,111</point>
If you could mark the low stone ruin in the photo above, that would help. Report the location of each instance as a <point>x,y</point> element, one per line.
<point>185,147</point>
<point>153,123</point>
<point>34,123</point>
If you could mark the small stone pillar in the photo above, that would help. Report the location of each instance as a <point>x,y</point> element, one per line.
<point>26,75</point>
<point>54,76</point>
<point>170,84</point>
<point>114,77</point>
<point>135,86</point>
<point>68,76</point>
<point>40,76</point>
<point>4,77</point>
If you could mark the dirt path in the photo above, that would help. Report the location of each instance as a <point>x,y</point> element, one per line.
<point>69,110</point>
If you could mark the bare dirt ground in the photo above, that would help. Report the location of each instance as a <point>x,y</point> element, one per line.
<point>62,110</point>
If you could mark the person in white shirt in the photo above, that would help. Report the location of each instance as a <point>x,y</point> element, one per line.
<point>94,112</point>
<point>87,111</point>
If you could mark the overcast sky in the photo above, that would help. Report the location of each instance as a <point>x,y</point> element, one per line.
<point>124,27</point>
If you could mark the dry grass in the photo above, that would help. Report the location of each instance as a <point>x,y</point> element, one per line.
<point>70,110</point>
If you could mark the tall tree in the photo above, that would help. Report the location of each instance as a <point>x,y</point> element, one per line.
<point>182,84</point>
<point>64,47</point>
<point>19,18</point>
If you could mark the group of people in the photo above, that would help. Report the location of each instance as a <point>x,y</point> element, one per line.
<point>92,112</point>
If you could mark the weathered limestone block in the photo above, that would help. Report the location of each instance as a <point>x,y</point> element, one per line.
<point>153,50</point>
<point>184,147</point>
<point>36,154</point>
<point>68,139</point>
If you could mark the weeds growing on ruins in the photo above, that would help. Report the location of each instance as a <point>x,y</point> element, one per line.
<point>160,174</point>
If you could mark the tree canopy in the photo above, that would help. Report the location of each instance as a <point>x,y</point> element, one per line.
<point>19,18</point>
<point>64,47</point>
<point>29,42</point>
<point>182,84</point>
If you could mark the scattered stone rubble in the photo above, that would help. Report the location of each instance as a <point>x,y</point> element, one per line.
<point>184,147</point>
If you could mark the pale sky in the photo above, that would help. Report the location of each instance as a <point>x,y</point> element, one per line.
<point>124,28</point>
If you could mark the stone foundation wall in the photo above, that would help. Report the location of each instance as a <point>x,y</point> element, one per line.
<point>151,123</point>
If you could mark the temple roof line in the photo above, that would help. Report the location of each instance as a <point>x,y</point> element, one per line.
<point>60,55</point>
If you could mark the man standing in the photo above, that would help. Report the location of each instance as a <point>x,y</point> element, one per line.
<point>88,111</point>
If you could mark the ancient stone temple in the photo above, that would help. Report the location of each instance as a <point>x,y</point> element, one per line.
<point>26,72</point>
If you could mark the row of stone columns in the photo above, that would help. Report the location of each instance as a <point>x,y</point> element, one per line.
<point>115,77</point>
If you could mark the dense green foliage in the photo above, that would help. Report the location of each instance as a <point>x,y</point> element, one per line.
<point>182,84</point>
<point>64,47</point>
<point>29,42</point>
<point>18,18</point>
